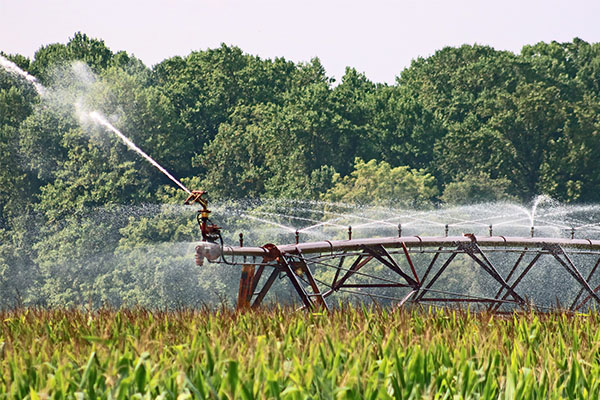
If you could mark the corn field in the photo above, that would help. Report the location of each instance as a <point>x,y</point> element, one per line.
<point>353,352</point>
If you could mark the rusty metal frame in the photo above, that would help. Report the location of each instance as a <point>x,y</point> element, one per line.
<point>414,281</point>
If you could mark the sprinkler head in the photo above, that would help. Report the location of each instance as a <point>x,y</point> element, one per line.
<point>197,197</point>
<point>210,231</point>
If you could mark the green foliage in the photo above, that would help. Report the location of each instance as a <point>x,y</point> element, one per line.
<point>235,160</point>
<point>80,47</point>
<point>476,188</point>
<point>471,122</point>
<point>350,353</point>
<point>403,130</point>
<point>378,183</point>
<point>206,87</point>
<point>74,259</point>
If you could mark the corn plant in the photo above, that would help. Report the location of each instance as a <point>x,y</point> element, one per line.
<point>352,352</point>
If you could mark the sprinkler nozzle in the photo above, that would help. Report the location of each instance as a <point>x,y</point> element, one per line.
<point>210,231</point>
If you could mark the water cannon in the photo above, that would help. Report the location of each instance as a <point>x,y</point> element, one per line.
<point>210,232</point>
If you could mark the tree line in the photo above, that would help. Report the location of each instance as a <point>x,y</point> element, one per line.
<point>467,124</point>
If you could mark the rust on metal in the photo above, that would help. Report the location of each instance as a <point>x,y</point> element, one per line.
<point>245,291</point>
<point>421,284</point>
<point>272,252</point>
<point>210,231</point>
<point>318,270</point>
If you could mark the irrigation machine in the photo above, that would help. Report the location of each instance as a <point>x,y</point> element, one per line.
<point>405,270</point>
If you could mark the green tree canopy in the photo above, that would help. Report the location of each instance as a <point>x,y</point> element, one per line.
<point>379,183</point>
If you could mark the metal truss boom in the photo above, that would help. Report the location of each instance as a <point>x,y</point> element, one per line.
<point>499,273</point>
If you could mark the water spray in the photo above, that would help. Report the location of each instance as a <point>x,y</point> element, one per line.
<point>364,257</point>
<point>94,115</point>
<point>14,69</point>
<point>98,118</point>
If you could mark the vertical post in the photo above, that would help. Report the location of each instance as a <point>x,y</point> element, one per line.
<point>245,292</point>
<point>246,282</point>
<point>350,233</point>
<point>399,230</point>
<point>297,236</point>
<point>446,230</point>
<point>491,231</point>
<point>572,233</point>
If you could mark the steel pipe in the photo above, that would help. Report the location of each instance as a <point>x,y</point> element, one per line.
<point>412,242</point>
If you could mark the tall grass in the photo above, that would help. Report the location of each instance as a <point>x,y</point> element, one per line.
<point>353,353</point>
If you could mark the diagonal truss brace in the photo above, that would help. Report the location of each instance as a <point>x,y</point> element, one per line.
<point>298,268</point>
<point>559,253</point>
<point>472,250</point>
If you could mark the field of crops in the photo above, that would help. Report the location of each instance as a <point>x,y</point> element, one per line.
<point>353,353</point>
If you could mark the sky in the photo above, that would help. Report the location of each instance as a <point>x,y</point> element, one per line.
<point>377,37</point>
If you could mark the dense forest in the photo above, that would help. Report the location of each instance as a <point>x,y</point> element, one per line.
<point>466,125</point>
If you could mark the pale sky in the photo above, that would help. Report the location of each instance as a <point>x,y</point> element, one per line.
<point>378,37</point>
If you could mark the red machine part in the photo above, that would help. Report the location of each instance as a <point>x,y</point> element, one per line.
<point>210,231</point>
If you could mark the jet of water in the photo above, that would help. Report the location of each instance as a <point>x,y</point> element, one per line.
<point>98,118</point>
<point>284,227</point>
<point>538,200</point>
<point>14,69</point>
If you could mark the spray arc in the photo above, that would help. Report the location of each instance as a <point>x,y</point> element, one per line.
<point>403,269</point>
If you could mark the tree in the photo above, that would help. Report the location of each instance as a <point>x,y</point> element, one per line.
<point>453,81</point>
<point>279,150</point>
<point>476,188</point>
<point>379,183</point>
<point>571,171</point>
<point>81,47</point>
<point>513,144</point>
<point>354,101</point>
<point>206,87</point>
<point>403,131</point>
<point>235,160</point>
